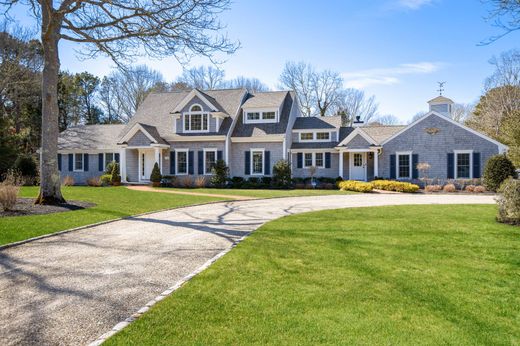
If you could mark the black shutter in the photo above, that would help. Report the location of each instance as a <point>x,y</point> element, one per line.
<point>100,162</point>
<point>116,157</point>
<point>59,162</point>
<point>392,167</point>
<point>190,162</point>
<point>327,160</point>
<point>85,162</point>
<point>476,165</point>
<point>219,155</point>
<point>172,162</point>
<point>415,162</point>
<point>267,162</point>
<point>451,166</point>
<point>247,163</point>
<point>71,162</point>
<point>299,160</point>
<point>200,158</point>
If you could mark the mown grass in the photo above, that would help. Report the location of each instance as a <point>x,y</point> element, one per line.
<point>387,276</point>
<point>111,203</point>
<point>264,193</point>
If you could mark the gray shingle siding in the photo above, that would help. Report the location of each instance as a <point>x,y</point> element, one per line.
<point>205,108</point>
<point>132,165</point>
<point>195,147</point>
<point>331,172</point>
<point>237,156</point>
<point>139,139</point>
<point>80,178</point>
<point>433,149</point>
<point>358,142</point>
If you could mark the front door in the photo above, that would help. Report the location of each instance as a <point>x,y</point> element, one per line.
<point>358,164</point>
<point>146,162</point>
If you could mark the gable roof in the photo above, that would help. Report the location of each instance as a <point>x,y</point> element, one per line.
<point>440,99</point>
<point>311,123</point>
<point>148,130</point>
<point>381,133</point>
<point>267,99</point>
<point>265,129</point>
<point>202,96</point>
<point>90,137</point>
<point>502,147</point>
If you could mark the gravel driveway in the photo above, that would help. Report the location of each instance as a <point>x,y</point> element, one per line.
<point>71,288</point>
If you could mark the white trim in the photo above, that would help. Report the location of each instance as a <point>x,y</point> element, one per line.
<point>133,131</point>
<point>317,150</point>
<point>261,112</point>
<point>82,162</point>
<point>232,127</point>
<point>353,134</point>
<point>259,139</point>
<point>314,136</point>
<point>455,164</point>
<point>205,150</point>
<point>189,97</point>
<point>195,138</point>
<point>410,170</point>
<point>251,161</point>
<point>313,159</point>
<point>177,161</point>
<point>191,113</point>
<point>501,147</point>
<point>351,164</point>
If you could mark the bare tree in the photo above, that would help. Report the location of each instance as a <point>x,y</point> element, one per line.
<point>326,86</point>
<point>120,29</point>
<point>251,84</point>
<point>298,77</point>
<point>354,103</point>
<point>505,14</point>
<point>507,70</point>
<point>462,111</point>
<point>202,77</point>
<point>382,120</point>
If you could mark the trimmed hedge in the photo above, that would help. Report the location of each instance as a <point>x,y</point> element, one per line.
<point>352,185</point>
<point>397,186</point>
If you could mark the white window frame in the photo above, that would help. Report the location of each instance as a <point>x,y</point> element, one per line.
<point>307,140</point>
<point>410,170</point>
<point>315,136</point>
<point>189,114</point>
<point>456,153</point>
<point>251,160</point>
<point>322,140</point>
<point>261,111</point>
<point>206,150</point>
<point>177,151</point>
<point>82,162</point>
<point>313,159</point>
<point>105,159</point>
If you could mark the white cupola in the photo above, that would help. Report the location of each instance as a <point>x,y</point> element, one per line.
<point>442,105</point>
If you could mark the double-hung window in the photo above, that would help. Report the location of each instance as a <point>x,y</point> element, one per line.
<point>196,120</point>
<point>78,162</point>
<point>182,161</point>
<point>404,165</point>
<point>109,157</point>
<point>463,164</point>
<point>313,159</point>
<point>257,162</point>
<point>252,116</point>
<point>210,159</point>
<point>308,160</point>
<point>318,160</point>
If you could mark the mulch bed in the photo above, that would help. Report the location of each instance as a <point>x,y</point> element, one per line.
<point>26,206</point>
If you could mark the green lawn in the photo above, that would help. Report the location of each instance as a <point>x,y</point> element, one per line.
<point>387,276</point>
<point>264,193</point>
<point>111,203</point>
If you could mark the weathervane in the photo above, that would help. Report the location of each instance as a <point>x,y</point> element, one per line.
<point>441,87</point>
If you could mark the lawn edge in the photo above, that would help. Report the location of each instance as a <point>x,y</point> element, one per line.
<point>79,228</point>
<point>168,292</point>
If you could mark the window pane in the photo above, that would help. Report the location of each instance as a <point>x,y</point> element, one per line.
<point>253,116</point>
<point>323,135</point>
<point>186,122</point>
<point>269,115</point>
<point>463,166</point>
<point>109,157</point>
<point>210,161</point>
<point>257,162</point>
<point>319,159</point>
<point>78,162</point>
<point>195,108</point>
<point>308,159</point>
<point>404,166</point>
<point>204,122</point>
<point>358,160</point>
<point>182,162</point>
<point>196,122</point>
<point>306,136</point>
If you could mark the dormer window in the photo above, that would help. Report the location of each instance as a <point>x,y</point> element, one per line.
<point>196,120</point>
<point>315,136</point>
<point>260,116</point>
<point>323,136</point>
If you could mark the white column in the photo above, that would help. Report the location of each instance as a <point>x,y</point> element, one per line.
<point>341,163</point>
<point>157,157</point>
<point>376,163</point>
<point>122,164</point>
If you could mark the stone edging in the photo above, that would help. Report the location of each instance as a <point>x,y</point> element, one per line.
<point>123,324</point>
<point>21,242</point>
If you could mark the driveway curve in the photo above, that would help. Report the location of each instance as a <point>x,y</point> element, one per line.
<point>71,288</point>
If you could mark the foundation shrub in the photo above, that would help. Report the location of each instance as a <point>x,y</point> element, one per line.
<point>358,186</point>
<point>449,188</point>
<point>68,181</point>
<point>433,188</point>
<point>397,186</point>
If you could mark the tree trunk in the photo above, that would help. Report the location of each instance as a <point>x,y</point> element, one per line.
<point>50,185</point>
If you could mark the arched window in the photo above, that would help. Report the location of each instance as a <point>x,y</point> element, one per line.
<point>196,120</point>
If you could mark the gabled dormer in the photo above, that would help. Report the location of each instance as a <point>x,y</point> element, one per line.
<point>263,108</point>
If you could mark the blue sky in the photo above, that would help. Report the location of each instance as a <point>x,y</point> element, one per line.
<point>394,49</point>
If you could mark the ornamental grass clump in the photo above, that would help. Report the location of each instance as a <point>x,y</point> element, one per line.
<point>357,186</point>
<point>509,202</point>
<point>9,189</point>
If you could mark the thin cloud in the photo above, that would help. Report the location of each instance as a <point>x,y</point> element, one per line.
<point>388,76</point>
<point>414,4</point>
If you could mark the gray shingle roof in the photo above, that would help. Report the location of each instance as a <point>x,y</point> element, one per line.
<point>152,130</point>
<point>255,130</point>
<point>265,99</point>
<point>380,133</point>
<point>89,137</point>
<point>315,145</point>
<point>308,123</point>
<point>155,109</point>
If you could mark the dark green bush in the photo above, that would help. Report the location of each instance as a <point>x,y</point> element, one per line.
<point>115,176</point>
<point>266,181</point>
<point>220,174</point>
<point>26,165</point>
<point>282,174</point>
<point>156,176</point>
<point>237,182</point>
<point>497,169</point>
<point>509,202</point>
